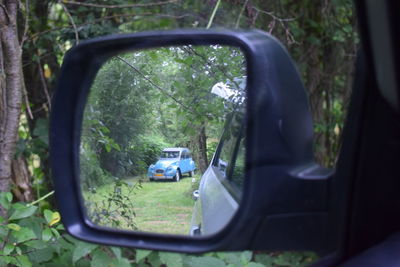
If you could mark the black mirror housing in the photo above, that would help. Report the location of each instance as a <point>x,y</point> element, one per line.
<point>284,203</point>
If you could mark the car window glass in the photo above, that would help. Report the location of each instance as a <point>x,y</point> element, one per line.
<point>228,145</point>
<point>169,154</point>
<point>238,170</point>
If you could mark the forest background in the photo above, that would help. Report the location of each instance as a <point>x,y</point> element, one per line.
<point>320,36</point>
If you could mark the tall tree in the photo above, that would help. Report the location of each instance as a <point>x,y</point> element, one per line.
<point>11,85</point>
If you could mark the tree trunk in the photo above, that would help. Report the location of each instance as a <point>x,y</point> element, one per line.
<point>22,186</point>
<point>11,93</point>
<point>202,146</point>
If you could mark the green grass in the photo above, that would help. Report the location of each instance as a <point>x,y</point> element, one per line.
<point>160,206</point>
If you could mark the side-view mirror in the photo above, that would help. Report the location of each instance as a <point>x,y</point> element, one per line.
<point>134,116</point>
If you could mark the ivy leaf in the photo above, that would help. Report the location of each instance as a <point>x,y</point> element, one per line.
<point>81,250</point>
<point>22,211</point>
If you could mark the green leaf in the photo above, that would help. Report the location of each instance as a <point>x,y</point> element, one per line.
<point>41,255</point>
<point>264,259</point>
<point>3,232</point>
<point>141,254</point>
<point>254,264</point>
<point>14,226</point>
<point>100,259</point>
<point>24,234</point>
<point>48,215</point>
<point>4,260</point>
<point>5,199</point>
<point>8,248</point>
<point>171,259</point>
<point>116,251</point>
<point>122,262</point>
<point>231,258</point>
<point>153,258</point>
<point>55,233</point>
<point>81,250</point>
<point>22,261</point>
<point>206,261</point>
<point>108,147</point>
<point>42,130</point>
<point>46,234</point>
<point>37,244</point>
<point>245,257</point>
<point>22,211</point>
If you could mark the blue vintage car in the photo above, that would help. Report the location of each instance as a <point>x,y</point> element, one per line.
<point>172,163</point>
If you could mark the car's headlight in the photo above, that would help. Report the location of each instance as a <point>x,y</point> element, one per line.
<point>170,168</point>
<point>151,167</point>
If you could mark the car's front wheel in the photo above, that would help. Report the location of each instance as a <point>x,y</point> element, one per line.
<point>177,176</point>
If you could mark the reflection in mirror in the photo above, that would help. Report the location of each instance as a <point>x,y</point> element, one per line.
<point>153,121</point>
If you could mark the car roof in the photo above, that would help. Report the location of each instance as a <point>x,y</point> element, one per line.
<point>175,149</point>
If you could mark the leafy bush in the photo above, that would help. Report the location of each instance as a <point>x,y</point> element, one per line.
<point>114,208</point>
<point>91,173</point>
<point>31,237</point>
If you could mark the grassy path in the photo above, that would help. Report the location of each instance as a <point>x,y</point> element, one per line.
<point>160,206</point>
<point>164,206</point>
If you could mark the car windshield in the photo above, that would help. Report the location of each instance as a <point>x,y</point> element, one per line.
<point>169,154</point>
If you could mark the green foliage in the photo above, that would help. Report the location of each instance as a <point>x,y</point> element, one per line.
<point>113,208</point>
<point>144,101</point>
<point>320,36</point>
<point>33,237</point>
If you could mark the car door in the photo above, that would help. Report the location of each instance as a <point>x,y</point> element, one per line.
<point>184,162</point>
<point>220,187</point>
<point>192,165</point>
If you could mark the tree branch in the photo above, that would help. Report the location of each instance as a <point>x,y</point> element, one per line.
<point>213,14</point>
<point>111,17</point>
<point>119,6</point>
<point>72,22</point>
<point>157,86</point>
<point>43,80</point>
<point>26,26</point>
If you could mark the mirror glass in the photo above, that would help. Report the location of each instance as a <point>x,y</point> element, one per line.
<point>151,155</point>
